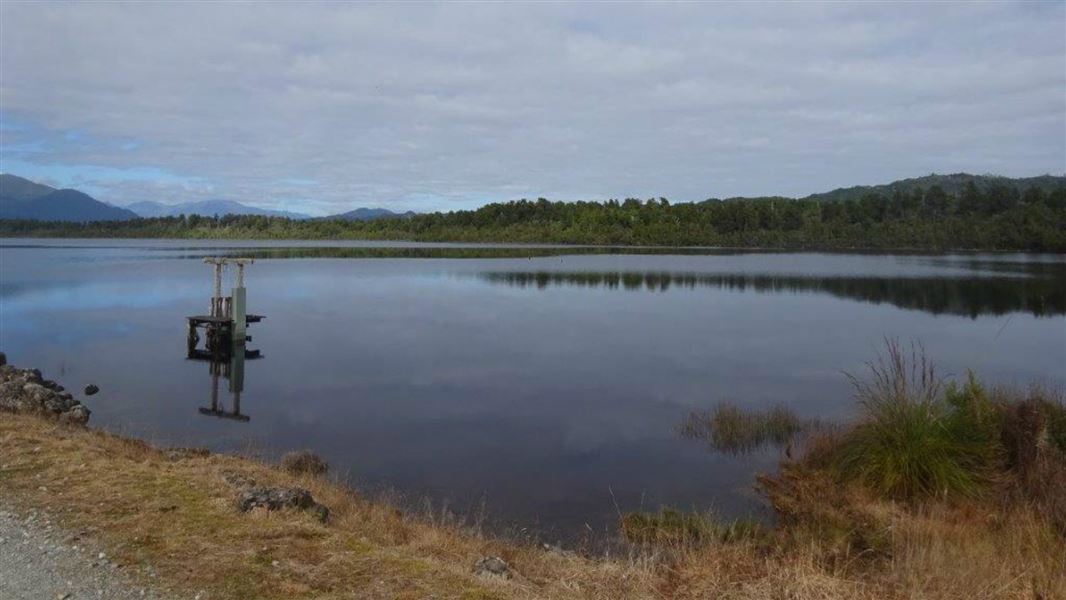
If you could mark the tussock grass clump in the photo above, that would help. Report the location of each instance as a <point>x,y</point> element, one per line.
<point>304,462</point>
<point>731,429</point>
<point>915,440</point>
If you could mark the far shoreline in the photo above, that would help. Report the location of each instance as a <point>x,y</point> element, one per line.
<point>445,244</point>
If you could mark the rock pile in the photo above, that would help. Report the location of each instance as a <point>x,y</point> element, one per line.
<point>492,566</point>
<point>25,391</point>
<point>277,498</point>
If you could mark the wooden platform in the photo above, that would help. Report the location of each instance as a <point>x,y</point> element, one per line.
<point>209,356</point>
<point>209,320</point>
<point>222,414</point>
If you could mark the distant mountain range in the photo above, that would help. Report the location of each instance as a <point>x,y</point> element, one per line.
<point>370,214</point>
<point>23,199</point>
<point>207,208</point>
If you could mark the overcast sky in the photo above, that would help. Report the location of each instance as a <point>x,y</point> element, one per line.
<point>323,108</point>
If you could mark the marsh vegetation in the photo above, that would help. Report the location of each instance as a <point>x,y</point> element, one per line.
<point>734,430</point>
<point>962,483</point>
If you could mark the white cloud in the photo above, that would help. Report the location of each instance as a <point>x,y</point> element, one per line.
<point>323,107</point>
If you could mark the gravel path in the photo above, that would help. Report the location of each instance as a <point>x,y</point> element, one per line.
<point>40,562</point>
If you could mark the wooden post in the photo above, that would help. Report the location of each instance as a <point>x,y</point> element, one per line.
<point>193,339</point>
<point>216,299</point>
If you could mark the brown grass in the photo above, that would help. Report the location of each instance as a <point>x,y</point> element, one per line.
<point>176,513</point>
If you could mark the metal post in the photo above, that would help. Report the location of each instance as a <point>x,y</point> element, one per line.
<point>237,309</point>
<point>239,300</point>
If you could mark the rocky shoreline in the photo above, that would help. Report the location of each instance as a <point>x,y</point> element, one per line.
<point>25,391</point>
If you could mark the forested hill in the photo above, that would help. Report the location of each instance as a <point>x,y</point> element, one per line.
<point>955,185</point>
<point>1002,215</point>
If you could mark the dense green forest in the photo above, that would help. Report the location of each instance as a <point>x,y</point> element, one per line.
<point>997,216</point>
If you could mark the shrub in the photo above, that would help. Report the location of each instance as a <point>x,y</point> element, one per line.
<point>976,421</point>
<point>1053,405</point>
<point>814,511</point>
<point>304,462</point>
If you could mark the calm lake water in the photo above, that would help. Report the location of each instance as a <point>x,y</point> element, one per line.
<point>543,384</point>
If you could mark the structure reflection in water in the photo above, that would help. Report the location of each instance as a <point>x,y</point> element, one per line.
<point>225,340</point>
<point>230,368</point>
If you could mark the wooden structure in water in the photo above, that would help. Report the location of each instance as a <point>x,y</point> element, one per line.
<point>225,333</point>
<point>227,324</point>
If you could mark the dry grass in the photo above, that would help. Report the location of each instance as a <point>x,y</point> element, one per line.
<point>177,514</point>
<point>939,549</point>
<point>960,553</point>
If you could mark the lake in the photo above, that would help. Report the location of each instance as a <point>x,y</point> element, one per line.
<point>542,387</point>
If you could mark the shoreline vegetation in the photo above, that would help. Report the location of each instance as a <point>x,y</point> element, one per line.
<point>939,489</point>
<point>997,215</point>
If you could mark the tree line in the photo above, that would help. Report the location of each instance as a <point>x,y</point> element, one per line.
<point>1001,217</point>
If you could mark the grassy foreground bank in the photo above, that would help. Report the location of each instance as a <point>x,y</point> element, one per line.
<point>937,492</point>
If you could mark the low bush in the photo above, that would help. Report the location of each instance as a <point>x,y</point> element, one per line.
<point>304,462</point>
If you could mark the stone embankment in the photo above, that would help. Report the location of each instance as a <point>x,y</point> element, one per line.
<point>25,391</point>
